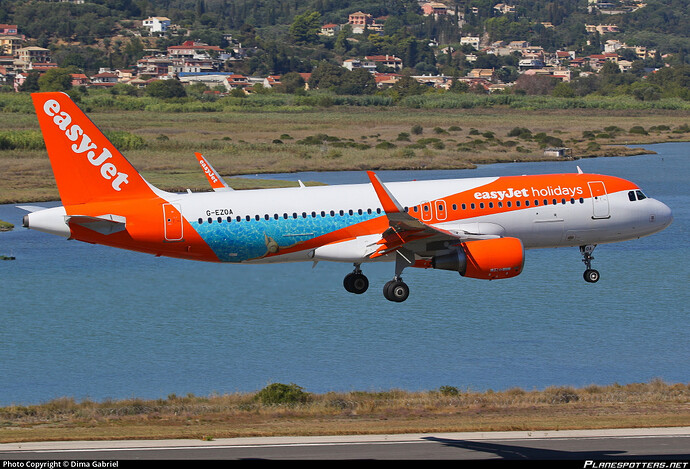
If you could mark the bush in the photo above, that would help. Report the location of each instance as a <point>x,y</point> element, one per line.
<point>417,129</point>
<point>282,394</point>
<point>638,129</point>
<point>448,391</point>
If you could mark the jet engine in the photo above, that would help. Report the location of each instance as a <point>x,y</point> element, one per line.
<point>487,259</point>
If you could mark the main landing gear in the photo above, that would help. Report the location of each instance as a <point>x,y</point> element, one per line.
<point>394,290</point>
<point>590,275</point>
<point>356,282</point>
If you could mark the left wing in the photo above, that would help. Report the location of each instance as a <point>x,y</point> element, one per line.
<point>404,228</point>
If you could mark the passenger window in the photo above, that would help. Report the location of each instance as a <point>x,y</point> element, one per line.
<point>201,220</point>
<point>508,204</point>
<point>472,206</point>
<point>517,203</point>
<point>220,219</point>
<point>464,207</point>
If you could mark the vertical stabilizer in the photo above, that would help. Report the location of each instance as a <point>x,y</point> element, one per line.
<point>86,165</point>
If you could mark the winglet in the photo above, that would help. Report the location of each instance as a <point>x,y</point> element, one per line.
<point>217,182</point>
<point>388,202</point>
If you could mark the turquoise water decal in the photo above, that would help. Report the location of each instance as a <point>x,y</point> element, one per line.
<point>238,241</point>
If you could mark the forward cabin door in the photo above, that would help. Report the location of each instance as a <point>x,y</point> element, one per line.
<point>600,200</point>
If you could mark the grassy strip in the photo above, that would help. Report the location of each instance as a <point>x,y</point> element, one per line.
<point>652,404</point>
<point>162,145</point>
<point>6,226</point>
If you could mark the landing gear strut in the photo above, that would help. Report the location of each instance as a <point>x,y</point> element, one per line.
<point>590,275</point>
<point>356,282</point>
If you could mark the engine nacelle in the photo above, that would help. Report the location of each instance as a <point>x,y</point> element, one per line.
<point>487,259</point>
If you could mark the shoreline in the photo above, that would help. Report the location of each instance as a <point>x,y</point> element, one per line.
<point>447,409</point>
<point>244,183</point>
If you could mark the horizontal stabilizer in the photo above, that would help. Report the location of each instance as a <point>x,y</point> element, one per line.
<point>30,208</point>
<point>104,224</point>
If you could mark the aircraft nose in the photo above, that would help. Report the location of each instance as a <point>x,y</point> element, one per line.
<point>662,214</point>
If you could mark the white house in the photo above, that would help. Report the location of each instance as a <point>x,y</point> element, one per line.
<point>157,24</point>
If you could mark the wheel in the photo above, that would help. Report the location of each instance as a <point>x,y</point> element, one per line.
<point>356,283</point>
<point>591,275</point>
<point>396,290</point>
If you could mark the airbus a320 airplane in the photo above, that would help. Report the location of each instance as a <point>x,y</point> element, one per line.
<point>478,227</point>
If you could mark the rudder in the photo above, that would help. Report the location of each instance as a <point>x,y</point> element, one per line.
<point>86,165</point>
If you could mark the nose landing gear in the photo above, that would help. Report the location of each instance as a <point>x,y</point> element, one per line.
<point>590,275</point>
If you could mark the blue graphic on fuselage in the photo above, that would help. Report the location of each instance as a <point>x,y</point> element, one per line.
<point>243,240</point>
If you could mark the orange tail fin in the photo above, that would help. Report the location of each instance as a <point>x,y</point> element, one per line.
<point>86,165</point>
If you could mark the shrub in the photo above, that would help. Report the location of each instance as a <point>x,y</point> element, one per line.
<point>637,129</point>
<point>278,393</point>
<point>417,129</point>
<point>448,391</point>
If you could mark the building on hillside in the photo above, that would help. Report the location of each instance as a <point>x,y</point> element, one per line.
<point>504,9</point>
<point>27,55</point>
<point>192,49</point>
<point>353,64</point>
<point>330,29</point>
<point>471,40</point>
<point>434,9</point>
<point>9,30</point>
<point>10,44</point>
<point>359,19</point>
<point>157,24</point>
<point>79,79</point>
<point>389,61</point>
<point>105,78</point>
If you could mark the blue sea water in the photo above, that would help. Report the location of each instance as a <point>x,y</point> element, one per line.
<point>93,322</point>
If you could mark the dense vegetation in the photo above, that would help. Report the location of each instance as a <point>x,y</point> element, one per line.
<point>282,37</point>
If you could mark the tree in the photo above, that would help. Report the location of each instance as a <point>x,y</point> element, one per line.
<point>290,83</point>
<point>55,79</point>
<point>166,89</point>
<point>31,82</point>
<point>358,81</point>
<point>327,76</point>
<point>306,27</point>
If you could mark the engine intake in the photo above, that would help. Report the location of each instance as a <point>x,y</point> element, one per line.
<point>487,259</point>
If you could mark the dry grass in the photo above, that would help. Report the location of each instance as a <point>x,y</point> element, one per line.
<point>245,142</point>
<point>653,404</point>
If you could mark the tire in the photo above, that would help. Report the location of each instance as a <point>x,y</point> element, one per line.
<point>591,276</point>
<point>396,291</point>
<point>356,283</point>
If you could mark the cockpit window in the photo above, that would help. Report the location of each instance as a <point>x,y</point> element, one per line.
<point>636,195</point>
